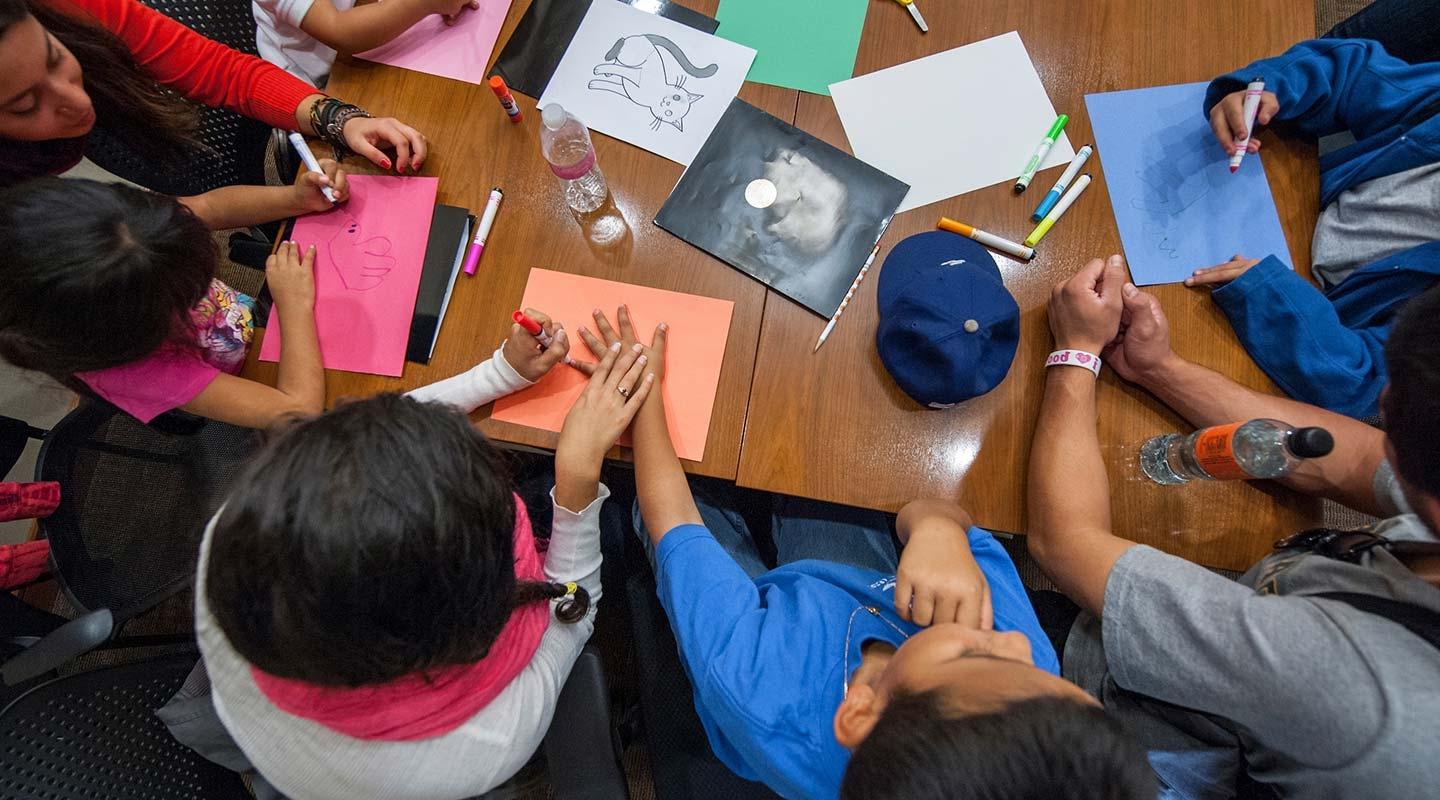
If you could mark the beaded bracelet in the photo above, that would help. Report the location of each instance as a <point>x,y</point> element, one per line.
<point>328,117</point>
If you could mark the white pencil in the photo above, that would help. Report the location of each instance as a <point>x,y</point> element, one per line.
<point>830,326</point>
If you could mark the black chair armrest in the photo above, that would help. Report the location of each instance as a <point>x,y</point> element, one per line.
<point>71,640</point>
<point>581,748</point>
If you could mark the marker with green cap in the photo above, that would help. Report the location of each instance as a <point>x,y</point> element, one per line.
<point>1040,152</point>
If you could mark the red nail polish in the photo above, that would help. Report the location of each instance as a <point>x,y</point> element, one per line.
<point>385,162</point>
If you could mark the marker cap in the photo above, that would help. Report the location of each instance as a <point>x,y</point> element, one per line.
<point>1051,198</point>
<point>528,324</point>
<point>497,85</point>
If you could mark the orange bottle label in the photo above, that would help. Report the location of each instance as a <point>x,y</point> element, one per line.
<point>1215,450</point>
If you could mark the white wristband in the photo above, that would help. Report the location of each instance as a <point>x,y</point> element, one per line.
<point>1074,358</point>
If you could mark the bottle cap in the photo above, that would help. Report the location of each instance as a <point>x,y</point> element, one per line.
<point>1310,442</point>
<point>553,116</point>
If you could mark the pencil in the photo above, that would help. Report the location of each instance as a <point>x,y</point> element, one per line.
<point>830,326</point>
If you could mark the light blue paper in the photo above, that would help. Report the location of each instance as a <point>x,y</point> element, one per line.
<point>1176,204</point>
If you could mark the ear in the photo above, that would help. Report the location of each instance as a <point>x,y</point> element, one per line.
<point>693,96</point>
<point>857,715</point>
<point>678,123</point>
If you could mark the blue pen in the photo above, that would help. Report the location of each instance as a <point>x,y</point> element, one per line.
<point>1053,196</point>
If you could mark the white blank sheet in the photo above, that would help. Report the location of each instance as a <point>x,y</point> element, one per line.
<point>953,122</point>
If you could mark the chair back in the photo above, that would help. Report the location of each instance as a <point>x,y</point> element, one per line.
<point>233,146</point>
<point>95,734</point>
<point>135,500</point>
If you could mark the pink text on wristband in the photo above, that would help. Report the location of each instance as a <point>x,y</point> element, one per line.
<point>1074,358</point>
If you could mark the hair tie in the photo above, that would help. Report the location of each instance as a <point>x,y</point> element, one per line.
<point>571,588</point>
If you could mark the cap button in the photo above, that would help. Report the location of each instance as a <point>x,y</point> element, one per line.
<point>971,326</point>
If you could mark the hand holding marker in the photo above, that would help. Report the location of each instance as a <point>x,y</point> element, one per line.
<point>1253,93</point>
<point>311,164</point>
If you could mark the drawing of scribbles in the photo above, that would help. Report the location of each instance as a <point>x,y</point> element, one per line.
<point>362,263</point>
<point>1176,173</point>
<point>651,71</point>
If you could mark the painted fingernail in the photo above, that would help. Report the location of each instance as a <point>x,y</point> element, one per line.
<point>615,348</point>
<point>385,162</point>
<point>642,359</point>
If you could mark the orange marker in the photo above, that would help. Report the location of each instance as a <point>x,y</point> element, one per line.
<point>987,239</point>
<point>507,100</point>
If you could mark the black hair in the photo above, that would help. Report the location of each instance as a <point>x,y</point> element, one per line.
<point>1412,405</point>
<point>96,275</point>
<point>370,543</point>
<point>1035,749</point>
<point>152,122</point>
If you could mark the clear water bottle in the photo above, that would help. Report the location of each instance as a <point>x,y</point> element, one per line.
<point>565,141</point>
<point>1260,448</point>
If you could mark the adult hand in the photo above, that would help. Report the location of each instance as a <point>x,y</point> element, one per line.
<point>1143,346</point>
<point>655,353</point>
<point>450,9</point>
<point>367,135</point>
<point>1221,273</point>
<point>1085,310</point>
<point>1227,119</point>
<point>523,351</point>
<point>308,196</point>
<point>938,580</point>
<point>616,391</point>
<point>291,276</point>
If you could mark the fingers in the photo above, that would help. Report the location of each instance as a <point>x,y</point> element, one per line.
<point>632,376</point>
<point>987,609</point>
<point>308,262</point>
<point>1089,275</point>
<point>366,150</point>
<point>1235,120</point>
<point>586,368</point>
<point>1269,107</point>
<point>922,607</point>
<point>603,325</point>
<point>596,346</point>
<point>546,324</point>
<point>637,396</point>
<point>1221,128</point>
<point>559,350</point>
<point>419,147</point>
<point>1146,315</point>
<point>339,181</point>
<point>1113,280</point>
<point>661,339</point>
<point>902,597</point>
<point>627,330</point>
<point>602,370</point>
<point>1220,273</point>
<point>627,359</point>
<point>402,149</point>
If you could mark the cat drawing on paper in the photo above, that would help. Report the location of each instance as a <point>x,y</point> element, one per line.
<point>651,71</point>
<point>361,262</point>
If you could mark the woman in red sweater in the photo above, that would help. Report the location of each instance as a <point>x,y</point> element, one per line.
<point>66,63</point>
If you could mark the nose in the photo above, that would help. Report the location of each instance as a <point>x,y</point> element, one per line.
<point>73,101</point>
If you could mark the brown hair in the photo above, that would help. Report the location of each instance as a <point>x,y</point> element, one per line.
<point>149,119</point>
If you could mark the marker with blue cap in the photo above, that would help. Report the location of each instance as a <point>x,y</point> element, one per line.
<point>1053,196</point>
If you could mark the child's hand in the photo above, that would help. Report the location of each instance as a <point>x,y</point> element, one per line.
<point>291,276</point>
<point>616,391</point>
<point>1221,273</point>
<point>308,196</point>
<point>450,9</point>
<point>523,351</point>
<point>938,580</point>
<point>655,353</point>
<point>1227,119</point>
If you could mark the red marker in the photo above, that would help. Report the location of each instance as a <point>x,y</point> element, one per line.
<point>507,100</point>
<point>534,328</point>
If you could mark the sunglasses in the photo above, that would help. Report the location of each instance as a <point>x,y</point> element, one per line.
<point>1347,546</point>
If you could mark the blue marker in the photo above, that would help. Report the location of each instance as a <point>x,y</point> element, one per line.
<point>1053,196</point>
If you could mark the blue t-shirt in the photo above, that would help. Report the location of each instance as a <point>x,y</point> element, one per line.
<point>767,657</point>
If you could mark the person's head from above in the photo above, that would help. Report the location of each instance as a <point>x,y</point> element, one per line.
<point>58,75</point>
<point>96,275</point>
<point>1410,405</point>
<point>371,543</point>
<point>958,712</point>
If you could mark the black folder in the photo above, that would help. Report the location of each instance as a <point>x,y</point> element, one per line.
<point>444,253</point>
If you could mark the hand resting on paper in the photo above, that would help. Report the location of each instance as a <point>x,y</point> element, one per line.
<point>1221,273</point>
<point>655,353</point>
<point>290,276</point>
<point>309,198</point>
<point>617,389</point>
<point>451,9</point>
<point>1227,119</point>
<point>524,353</point>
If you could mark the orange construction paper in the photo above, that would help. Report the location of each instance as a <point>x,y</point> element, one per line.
<point>699,327</point>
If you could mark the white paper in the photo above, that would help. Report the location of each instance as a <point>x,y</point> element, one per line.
<point>648,80</point>
<point>953,122</point>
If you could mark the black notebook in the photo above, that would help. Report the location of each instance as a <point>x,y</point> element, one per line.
<point>533,52</point>
<point>783,207</point>
<point>444,253</point>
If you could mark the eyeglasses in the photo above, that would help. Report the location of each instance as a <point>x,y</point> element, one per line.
<point>1340,545</point>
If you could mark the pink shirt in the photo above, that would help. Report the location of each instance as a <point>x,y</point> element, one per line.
<point>223,323</point>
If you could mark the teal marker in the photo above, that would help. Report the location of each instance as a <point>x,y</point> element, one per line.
<point>1053,196</point>
<point>1040,152</point>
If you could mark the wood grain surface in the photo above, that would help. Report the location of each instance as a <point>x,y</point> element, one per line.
<point>833,426</point>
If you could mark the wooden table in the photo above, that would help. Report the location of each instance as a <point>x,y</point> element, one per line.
<point>833,426</point>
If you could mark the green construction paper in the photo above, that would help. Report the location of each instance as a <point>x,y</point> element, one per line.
<point>801,44</point>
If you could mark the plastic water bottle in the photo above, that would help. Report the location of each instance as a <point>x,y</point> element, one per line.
<point>1260,448</point>
<point>565,141</point>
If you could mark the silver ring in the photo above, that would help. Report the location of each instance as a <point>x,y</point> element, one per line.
<point>623,392</point>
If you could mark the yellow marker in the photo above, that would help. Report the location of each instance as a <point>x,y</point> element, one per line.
<point>1058,211</point>
<point>915,12</point>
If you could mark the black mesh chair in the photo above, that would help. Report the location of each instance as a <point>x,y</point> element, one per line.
<point>134,503</point>
<point>95,735</point>
<point>233,147</point>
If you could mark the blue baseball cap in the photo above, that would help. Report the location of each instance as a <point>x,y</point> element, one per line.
<point>948,326</point>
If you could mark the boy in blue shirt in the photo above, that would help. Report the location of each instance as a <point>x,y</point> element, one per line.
<point>795,667</point>
<point>1375,244</point>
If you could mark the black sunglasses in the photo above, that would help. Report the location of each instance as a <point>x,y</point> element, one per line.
<point>1339,545</point>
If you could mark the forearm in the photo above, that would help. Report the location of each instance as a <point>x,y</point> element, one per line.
<point>362,27</point>
<point>1205,397</point>
<point>660,484</point>
<point>244,206</point>
<point>1069,494</point>
<point>302,374</point>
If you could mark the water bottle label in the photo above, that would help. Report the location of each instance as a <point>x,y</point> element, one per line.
<point>576,170</point>
<point>1215,451</point>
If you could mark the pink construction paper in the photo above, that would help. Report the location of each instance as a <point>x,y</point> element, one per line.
<point>368,256</point>
<point>460,51</point>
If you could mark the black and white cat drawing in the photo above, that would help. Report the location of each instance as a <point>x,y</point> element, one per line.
<point>651,71</point>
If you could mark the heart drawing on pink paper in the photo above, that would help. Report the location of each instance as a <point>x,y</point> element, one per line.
<point>361,263</point>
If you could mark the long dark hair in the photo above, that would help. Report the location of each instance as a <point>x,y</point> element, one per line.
<point>370,543</point>
<point>152,121</point>
<point>96,275</point>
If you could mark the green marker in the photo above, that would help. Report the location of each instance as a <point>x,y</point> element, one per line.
<point>1040,153</point>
